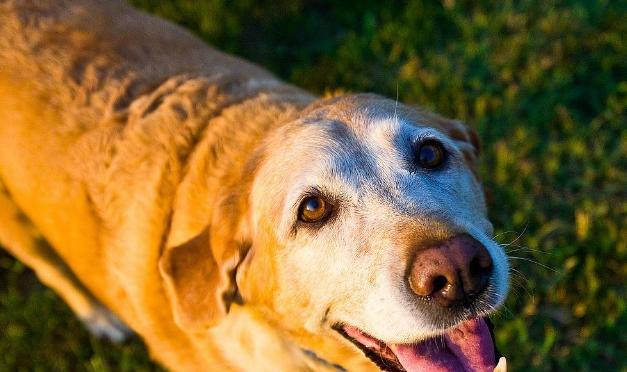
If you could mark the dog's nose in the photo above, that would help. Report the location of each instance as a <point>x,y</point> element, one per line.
<point>452,272</point>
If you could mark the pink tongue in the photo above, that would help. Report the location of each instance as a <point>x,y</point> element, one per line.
<point>468,347</point>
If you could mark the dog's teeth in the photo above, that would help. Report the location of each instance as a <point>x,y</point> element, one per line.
<point>501,366</point>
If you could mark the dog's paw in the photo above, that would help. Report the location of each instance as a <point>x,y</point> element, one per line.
<point>102,323</point>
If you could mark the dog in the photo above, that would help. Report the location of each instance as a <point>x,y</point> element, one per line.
<point>231,220</point>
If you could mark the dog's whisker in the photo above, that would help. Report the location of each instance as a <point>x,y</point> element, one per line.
<point>515,240</point>
<point>495,310</point>
<point>519,277</point>
<point>521,233</point>
<point>534,262</point>
<point>515,290</point>
<point>519,282</point>
<point>503,233</point>
<point>527,249</point>
<point>506,245</point>
<point>518,246</point>
<point>514,270</point>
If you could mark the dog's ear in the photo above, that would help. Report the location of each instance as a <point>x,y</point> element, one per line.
<point>209,234</point>
<point>198,279</point>
<point>199,274</point>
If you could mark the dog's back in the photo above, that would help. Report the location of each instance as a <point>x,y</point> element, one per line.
<point>84,85</point>
<point>101,110</point>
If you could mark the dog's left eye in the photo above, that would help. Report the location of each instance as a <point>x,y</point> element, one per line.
<point>430,154</point>
<point>314,209</point>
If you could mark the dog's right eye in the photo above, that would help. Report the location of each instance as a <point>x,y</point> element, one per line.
<point>314,209</point>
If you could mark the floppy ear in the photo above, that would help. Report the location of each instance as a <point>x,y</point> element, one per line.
<point>198,280</point>
<point>208,239</point>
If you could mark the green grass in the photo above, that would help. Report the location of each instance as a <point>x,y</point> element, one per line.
<point>545,85</point>
<point>38,332</point>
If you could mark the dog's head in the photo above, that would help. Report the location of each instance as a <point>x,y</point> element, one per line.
<point>366,226</point>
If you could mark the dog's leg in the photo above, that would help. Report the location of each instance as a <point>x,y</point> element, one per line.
<point>20,238</point>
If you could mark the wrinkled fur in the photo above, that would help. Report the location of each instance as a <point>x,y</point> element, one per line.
<point>124,138</point>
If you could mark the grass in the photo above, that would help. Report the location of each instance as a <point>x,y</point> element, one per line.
<point>545,85</point>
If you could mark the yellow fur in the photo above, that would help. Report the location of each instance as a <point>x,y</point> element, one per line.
<point>122,139</point>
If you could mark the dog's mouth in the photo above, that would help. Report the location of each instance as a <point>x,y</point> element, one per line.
<point>464,348</point>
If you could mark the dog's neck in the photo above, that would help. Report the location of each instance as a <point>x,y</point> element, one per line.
<point>226,141</point>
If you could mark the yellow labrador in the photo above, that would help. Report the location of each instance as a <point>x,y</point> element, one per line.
<point>233,221</point>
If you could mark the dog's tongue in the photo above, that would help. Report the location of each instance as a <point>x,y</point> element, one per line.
<point>468,347</point>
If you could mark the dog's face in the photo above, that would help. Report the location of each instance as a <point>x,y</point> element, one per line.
<point>365,234</point>
<point>343,208</point>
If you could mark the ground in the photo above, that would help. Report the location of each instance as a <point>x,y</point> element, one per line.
<point>545,85</point>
